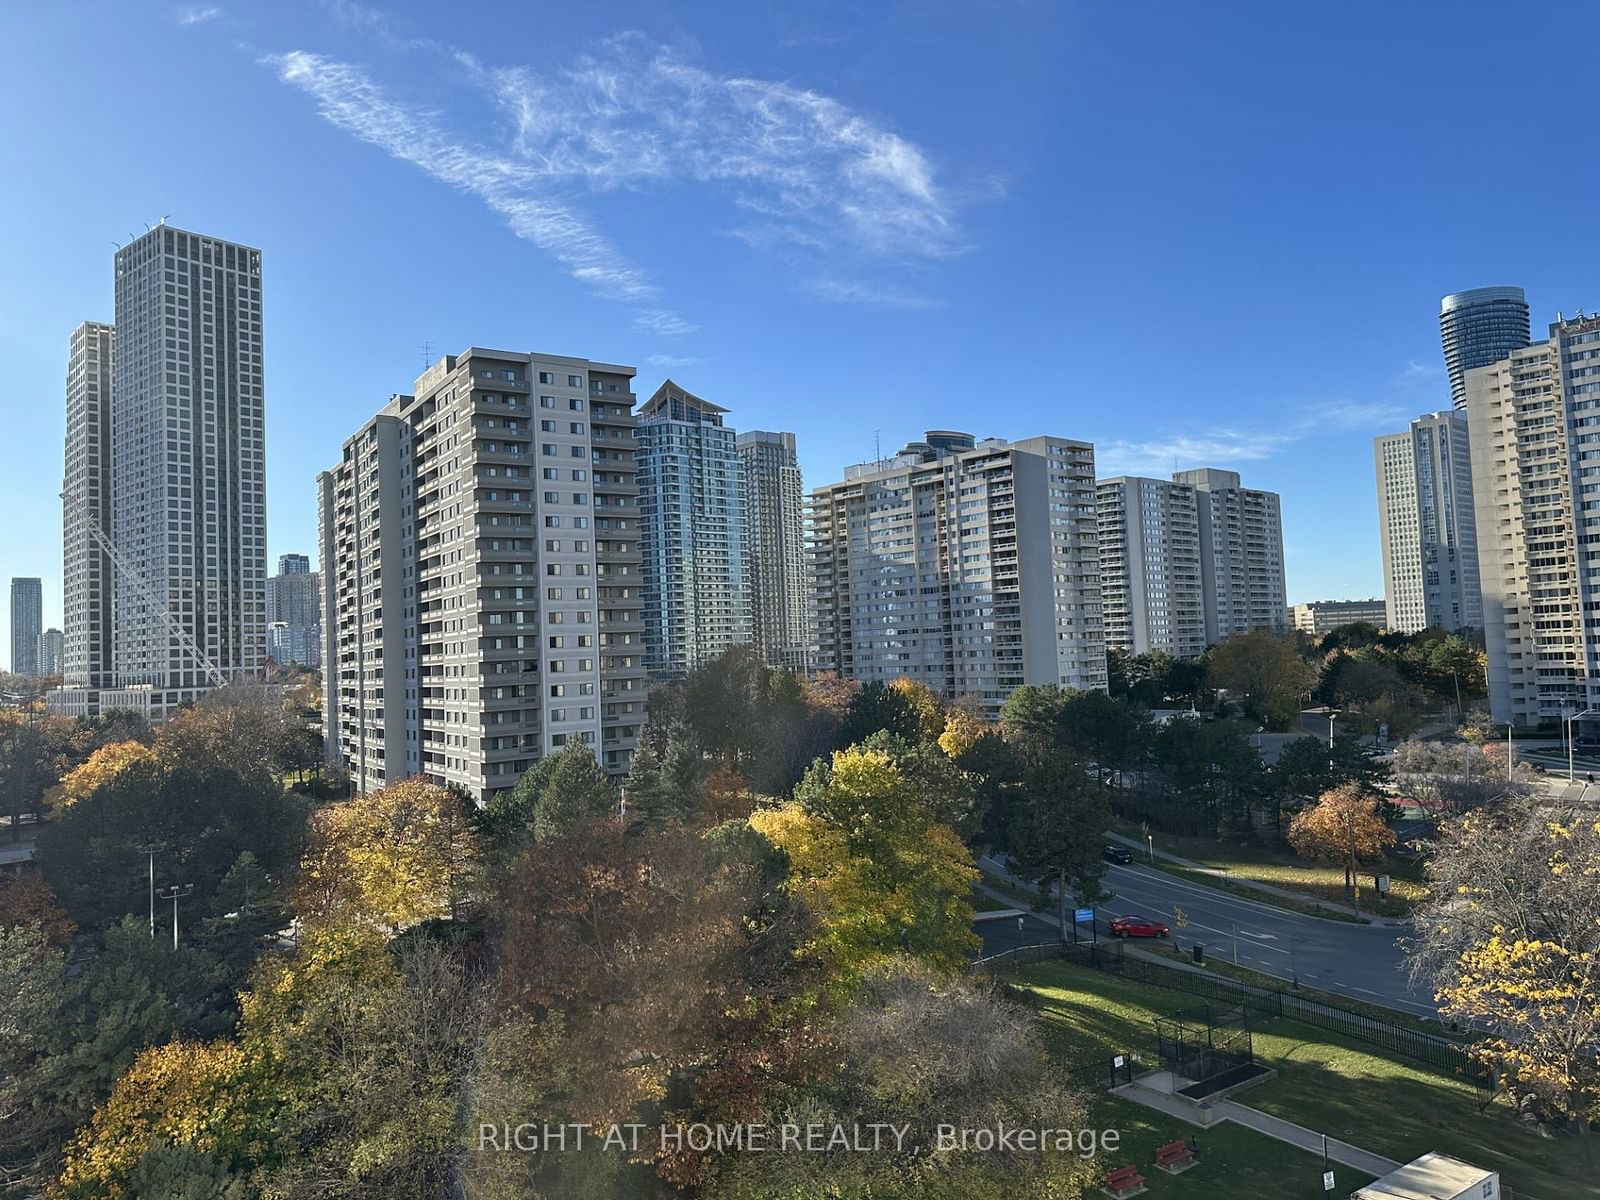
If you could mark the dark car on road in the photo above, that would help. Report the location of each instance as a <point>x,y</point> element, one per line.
<point>1116,854</point>
<point>1134,926</point>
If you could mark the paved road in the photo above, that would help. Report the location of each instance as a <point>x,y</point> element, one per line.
<point>1364,962</point>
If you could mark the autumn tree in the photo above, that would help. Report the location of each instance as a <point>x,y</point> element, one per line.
<point>100,768</point>
<point>1508,943</point>
<point>964,725</point>
<point>245,726</point>
<point>917,1049</point>
<point>28,900</point>
<point>869,861</point>
<point>1266,671</point>
<point>830,692</point>
<point>1345,827</point>
<point>389,859</point>
<point>632,972</point>
<point>927,707</point>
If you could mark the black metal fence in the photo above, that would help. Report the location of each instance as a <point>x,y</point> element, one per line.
<point>1415,1044</point>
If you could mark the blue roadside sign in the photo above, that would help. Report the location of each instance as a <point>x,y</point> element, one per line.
<point>1083,916</point>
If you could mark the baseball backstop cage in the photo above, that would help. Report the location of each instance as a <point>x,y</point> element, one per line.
<point>1209,1046</point>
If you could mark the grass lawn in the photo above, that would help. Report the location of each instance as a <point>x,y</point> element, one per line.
<point>1280,868</point>
<point>1324,1083</point>
<point>1235,1163</point>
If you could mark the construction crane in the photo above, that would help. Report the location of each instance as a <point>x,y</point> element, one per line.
<point>125,569</point>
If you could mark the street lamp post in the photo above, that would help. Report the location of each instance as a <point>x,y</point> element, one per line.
<point>175,893</point>
<point>150,849</point>
<point>1571,747</point>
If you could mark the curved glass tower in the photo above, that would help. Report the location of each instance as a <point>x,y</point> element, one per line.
<point>1478,328</point>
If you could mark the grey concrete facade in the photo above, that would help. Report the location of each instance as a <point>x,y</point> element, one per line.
<point>1534,425</point>
<point>1427,525</point>
<point>691,498</point>
<point>1241,554</point>
<point>188,464</point>
<point>480,569</point>
<point>88,580</point>
<point>775,552</point>
<point>970,567</point>
<point>1151,588</point>
<point>27,623</point>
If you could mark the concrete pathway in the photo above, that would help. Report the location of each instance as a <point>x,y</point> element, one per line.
<point>1299,1136</point>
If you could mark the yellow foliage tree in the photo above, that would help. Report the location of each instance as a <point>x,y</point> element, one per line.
<point>879,875</point>
<point>207,1097</point>
<point>1343,826</point>
<point>390,858</point>
<point>1508,942</point>
<point>963,726</point>
<point>104,765</point>
<point>930,712</point>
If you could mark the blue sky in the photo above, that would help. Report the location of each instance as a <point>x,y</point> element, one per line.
<point>1197,235</point>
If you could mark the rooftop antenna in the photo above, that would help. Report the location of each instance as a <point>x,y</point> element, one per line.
<point>877,445</point>
<point>427,354</point>
<point>164,217</point>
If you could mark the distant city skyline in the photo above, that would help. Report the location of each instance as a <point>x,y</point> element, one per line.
<point>1276,315</point>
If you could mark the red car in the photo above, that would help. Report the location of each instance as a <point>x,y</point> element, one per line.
<point>1132,926</point>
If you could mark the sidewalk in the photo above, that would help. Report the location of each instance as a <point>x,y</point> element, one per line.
<point>1299,1136</point>
<point>1265,889</point>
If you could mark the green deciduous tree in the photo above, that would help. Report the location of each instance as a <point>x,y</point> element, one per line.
<point>1266,671</point>
<point>1058,830</point>
<point>200,815</point>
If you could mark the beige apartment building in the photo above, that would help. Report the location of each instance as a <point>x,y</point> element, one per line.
<point>480,574</point>
<point>1534,430</point>
<point>970,566</point>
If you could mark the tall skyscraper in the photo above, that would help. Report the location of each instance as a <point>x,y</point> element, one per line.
<point>294,613</point>
<point>1530,420</point>
<point>88,579</point>
<point>188,471</point>
<point>1241,554</point>
<point>971,567</point>
<point>27,623</point>
<point>1427,525</point>
<point>51,646</point>
<point>691,504</point>
<point>480,573</point>
<point>775,552</point>
<point>1151,589</point>
<point>1480,327</point>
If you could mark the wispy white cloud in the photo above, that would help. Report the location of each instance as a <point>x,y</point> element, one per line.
<point>347,98</point>
<point>1227,447</point>
<point>672,360</point>
<point>1416,372</point>
<point>854,291</point>
<point>805,166</point>
<point>1162,456</point>
<point>196,14</point>
<point>845,201</point>
<point>1350,415</point>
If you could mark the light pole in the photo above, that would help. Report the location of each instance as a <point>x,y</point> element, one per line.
<point>1571,747</point>
<point>1150,844</point>
<point>175,893</point>
<point>150,848</point>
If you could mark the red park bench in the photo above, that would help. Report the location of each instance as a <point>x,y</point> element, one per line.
<point>1124,1181</point>
<point>1175,1157</point>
